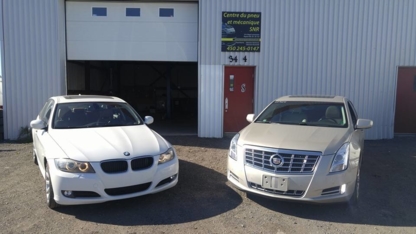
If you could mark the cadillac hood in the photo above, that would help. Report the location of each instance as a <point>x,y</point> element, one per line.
<point>295,137</point>
<point>97,144</point>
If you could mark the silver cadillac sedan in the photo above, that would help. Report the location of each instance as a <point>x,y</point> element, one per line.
<point>301,148</point>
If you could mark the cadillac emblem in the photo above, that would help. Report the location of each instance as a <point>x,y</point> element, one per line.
<point>276,160</point>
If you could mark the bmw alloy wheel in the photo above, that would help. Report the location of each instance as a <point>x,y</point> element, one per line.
<point>49,189</point>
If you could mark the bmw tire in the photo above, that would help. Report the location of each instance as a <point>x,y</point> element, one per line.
<point>50,201</point>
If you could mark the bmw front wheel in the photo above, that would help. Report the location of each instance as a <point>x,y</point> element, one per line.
<point>49,189</point>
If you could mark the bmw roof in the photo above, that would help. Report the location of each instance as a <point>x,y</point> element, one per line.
<point>86,98</point>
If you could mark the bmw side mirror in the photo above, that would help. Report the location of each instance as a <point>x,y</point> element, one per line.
<point>37,124</point>
<point>250,118</point>
<point>364,124</point>
<point>148,120</point>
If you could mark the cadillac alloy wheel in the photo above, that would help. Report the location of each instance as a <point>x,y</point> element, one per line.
<point>354,198</point>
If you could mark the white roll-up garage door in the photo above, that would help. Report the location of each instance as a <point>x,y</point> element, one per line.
<point>132,31</point>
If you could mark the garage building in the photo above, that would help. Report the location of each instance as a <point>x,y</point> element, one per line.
<point>200,66</point>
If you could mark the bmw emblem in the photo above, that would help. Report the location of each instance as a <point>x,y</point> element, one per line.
<point>126,153</point>
<point>276,160</point>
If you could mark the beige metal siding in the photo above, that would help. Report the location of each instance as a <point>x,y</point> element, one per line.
<point>349,47</point>
<point>34,59</point>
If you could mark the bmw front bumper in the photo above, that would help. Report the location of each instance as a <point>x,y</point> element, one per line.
<point>98,187</point>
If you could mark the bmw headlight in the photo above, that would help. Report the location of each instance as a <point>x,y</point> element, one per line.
<point>233,147</point>
<point>340,162</point>
<point>167,156</point>
<point>72,166</point>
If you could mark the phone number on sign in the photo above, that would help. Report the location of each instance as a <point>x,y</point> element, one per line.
<point>243,48</point>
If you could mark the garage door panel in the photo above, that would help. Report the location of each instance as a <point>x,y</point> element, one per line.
<point>118,37</point>
<point>132,51</point>
<point>149,12</point>
<point>131,31</point>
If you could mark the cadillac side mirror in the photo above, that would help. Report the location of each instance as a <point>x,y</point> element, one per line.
<point>250,118</point>
<point>364,124</point>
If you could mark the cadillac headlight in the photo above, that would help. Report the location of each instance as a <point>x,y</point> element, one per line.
<point>340,162</point>
<point>167,156</point>
<point>72,166</point>
<point>233,147</point>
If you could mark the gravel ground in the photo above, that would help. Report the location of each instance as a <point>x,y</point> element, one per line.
<point>204,202</point>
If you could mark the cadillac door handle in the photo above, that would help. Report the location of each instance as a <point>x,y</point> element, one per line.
<point>226,104</point>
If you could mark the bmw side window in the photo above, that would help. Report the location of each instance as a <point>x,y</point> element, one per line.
<point>44,108</point>
<point>46,111</point>
<point>48,114</point>
<point>353,113</point>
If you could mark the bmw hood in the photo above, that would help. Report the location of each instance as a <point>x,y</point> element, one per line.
<point>326,140</point>
<point>97,144</point>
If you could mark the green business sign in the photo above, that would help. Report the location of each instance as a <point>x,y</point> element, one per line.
<point>241,31</point>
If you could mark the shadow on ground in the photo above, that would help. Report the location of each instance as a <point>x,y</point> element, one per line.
<point>216,143</point>
<point>200,194</point>
<point>387,190</point>
<point>7,150</point>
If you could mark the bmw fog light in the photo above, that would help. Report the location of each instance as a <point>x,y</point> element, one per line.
<point>67,193</point>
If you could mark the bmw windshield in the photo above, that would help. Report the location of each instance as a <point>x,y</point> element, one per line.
<point>94,114</point>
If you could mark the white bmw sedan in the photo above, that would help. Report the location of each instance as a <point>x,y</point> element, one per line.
<point>93,149</point>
